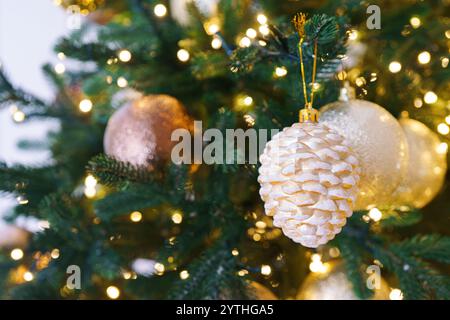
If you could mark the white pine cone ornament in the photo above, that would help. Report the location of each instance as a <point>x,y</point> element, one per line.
<point>308,178</point>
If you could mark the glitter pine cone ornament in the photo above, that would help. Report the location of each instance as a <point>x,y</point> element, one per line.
<point>308,174</point>
<point>309,179</point>
<point>140,132</point>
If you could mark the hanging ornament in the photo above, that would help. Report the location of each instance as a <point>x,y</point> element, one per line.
<point>426,167</point>
<point>333,284</point>
<point>261,292</point>
<point>12,236</point>
<point>179,9</point>
<point>140,131</point>
<point>378,141</point>
<point>308,177</point>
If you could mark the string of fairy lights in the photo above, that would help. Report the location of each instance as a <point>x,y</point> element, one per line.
<point>262,229</point>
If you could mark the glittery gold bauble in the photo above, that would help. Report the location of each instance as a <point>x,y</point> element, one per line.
<point>308,178</point>
<point>261,292</point>
<point>140,131</point>
<point>333,284</point>
<point>379,143</point>
<point>426,168</point>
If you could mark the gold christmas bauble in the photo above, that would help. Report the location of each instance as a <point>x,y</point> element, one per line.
<point>379,143</point>
<point>261,292</point>
<point>308,178</point>
<point>426,167</point>
<point>140,132</point>
<point>333,284</point>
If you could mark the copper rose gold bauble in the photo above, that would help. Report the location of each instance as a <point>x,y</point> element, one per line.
<point>12,236</point>
<point>140,131</point>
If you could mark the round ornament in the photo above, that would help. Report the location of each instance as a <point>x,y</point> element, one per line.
<point>12,236</point>
<point>140,132</point>
<point>261,292</point>
<point>426,167</point>
<point>378,142</point>
<point>333,284</point>
<point>308,178</point>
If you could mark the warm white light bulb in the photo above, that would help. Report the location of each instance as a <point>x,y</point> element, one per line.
<point>212,28</point>
<point>396,294</point>
<point>124,55</point>
<point>395,66</point>
<point>264,29</point>
<point>248,100</point>
<point>85,105</point>
<point>16,254</point>
<point>28,276</point>
<point>184,275</point>
<point>251,33</point>
<point>430,97</point>
<point>216,43</point>
<point>353,34</point>
<point>122,82</point>
<point>266,270</point>
<point>160,10</point>
<point>90,181</point>
<point>183,55</point>
<point>443,128</point>
<point>90,192</point>
<point>424,57</point>
<point>375,214</point>
<point>60,68</point>
<point>280,72</point>
<point>261,18</point>
<point>442,148</point>
<point>418,103</point>
<point>136,216</point>
<point>112,292</point>
<point>415,22</point>
<point>245,42</point>
<point>177,218</point>
<point>18,116</point>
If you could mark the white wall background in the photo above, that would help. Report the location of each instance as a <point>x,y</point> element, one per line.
<point>28,30</point>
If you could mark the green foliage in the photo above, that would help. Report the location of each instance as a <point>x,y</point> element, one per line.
<point>112,172</point>
<point>394,218</point>
<point>212,276</point>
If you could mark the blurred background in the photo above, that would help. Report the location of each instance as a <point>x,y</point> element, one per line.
<point>28,31</point>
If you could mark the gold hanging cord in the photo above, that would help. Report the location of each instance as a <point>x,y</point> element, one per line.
<point>308,113</point>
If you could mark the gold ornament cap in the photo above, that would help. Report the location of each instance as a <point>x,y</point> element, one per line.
<point>308,114</point>
<point>347,92</point>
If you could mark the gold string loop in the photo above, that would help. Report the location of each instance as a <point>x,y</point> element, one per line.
<point>308,113</point>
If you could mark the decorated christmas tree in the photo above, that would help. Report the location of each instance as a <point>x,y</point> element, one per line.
<point>155,190</point>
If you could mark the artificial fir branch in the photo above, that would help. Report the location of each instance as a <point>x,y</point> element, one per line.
<point>113,172</point>
<point>10,94</point>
